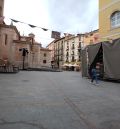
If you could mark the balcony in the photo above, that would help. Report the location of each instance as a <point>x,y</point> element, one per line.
<point>67,49</point>
<point>67,54</point>
<point>67,61</point>
<point>73,60</point>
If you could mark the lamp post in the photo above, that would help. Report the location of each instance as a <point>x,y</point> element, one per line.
<point>24,52</point>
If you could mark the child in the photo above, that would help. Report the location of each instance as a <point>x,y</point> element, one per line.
<point>94,75</point>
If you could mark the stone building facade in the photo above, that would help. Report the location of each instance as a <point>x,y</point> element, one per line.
<point>72,49</point>
<point>45,57</point>
<point>59,52</point>
<point>51,47</point>
<point>18,47</point>
<point>12,46</point>
<point>7,35</point>
<point>67,49</point>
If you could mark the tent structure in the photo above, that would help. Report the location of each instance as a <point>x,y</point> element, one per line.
<point>107,55</point>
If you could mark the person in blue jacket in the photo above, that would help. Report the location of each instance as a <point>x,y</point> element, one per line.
<point>94,75</point>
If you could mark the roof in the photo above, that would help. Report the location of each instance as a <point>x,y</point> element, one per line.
<point>11,27</point>
<point>25,37</point>
<point>70,37</point>
<point>94,31</point>
<point>51,43</point>
<point>45,49</point>
<point>19,41</point>
<point>59,39</point>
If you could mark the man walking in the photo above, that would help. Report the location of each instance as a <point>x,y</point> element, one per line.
<point>94,76</point>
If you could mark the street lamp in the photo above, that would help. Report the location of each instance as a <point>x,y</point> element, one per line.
<point>24,52</point>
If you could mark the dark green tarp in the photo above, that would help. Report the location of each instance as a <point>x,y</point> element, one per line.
<point>111,59</point>
<point>92,52</point>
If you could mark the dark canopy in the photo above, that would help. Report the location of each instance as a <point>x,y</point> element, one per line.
<point>107,54</point>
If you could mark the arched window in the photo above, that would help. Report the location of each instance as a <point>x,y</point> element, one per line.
<point>115,19</point>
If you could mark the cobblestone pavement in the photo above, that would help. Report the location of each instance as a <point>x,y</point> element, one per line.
<point>62,100</point>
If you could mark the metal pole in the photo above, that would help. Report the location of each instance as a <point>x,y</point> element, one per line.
<point>23,62</point>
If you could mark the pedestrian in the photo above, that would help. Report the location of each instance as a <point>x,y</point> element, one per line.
<point>94,76</point>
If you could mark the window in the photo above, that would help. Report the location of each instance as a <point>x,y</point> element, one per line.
<point>91,41</point>
<point>115,19</point>
<point>67,54</point>
<point>91,34</point>
<point>79,45</point>
<point>73,59</point>
<point>45,54</point>
<point>79,58</point>
<point>5,39</point>
<point>44,61</point>
<point>73,47</point>
<point>67,60</point>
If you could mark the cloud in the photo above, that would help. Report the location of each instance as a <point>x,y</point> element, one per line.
<point>73,15</point>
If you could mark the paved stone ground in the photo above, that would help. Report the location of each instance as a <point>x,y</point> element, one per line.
<point>62,100</point>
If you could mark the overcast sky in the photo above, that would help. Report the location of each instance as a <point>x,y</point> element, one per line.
<point>66,16</point>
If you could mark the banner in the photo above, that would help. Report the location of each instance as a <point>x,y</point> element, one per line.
<point>44,29</point>
<point>15,20</point>
<point>32,26</point>
<point>55,35</point>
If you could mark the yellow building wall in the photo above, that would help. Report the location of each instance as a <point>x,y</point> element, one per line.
<point>90,39</point>
<point>106,8</point>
